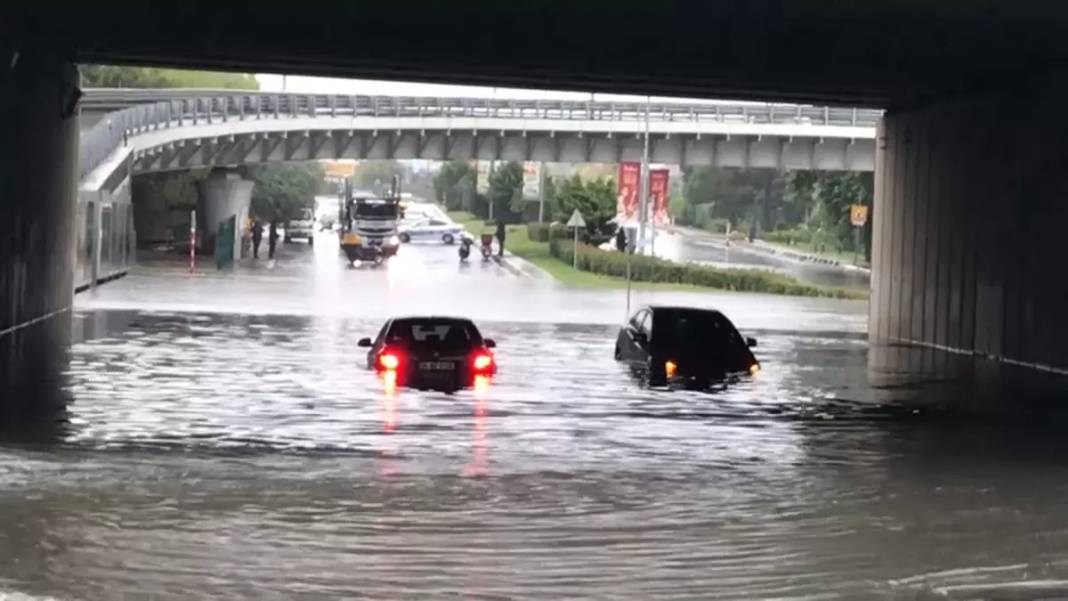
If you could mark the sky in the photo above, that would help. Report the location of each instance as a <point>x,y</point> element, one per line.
<point>333,85</point>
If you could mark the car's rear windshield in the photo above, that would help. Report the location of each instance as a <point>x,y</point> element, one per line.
<point>694,329</point>
<point>443,335</point>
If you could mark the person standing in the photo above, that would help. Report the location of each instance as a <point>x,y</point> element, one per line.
<point>257,236</point>
<point>272,240</point>
<point>621,240</point>
<point>500,237</point>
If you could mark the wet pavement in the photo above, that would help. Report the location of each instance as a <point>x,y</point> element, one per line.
<point>686,244</point>
<point>223,441</point>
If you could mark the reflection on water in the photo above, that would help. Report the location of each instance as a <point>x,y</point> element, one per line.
<point>253,457</point>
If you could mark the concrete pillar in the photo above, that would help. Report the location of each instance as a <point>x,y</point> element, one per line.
<point>222,195</point>
<point>38,182</point>
<point>970,236</point>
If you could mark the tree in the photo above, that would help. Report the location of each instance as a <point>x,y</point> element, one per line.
<point>752,196</point>
<point>595,199</point>
<point>680,210</point>
<point>377,175</point>
<point>283,189</point>
<point>163,202</point>
<point>454,185</point>
<point>114,76</point>
<point>506,191</point>
<point>826,196</point>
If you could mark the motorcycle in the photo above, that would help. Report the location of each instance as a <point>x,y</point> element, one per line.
<point>487,247</point>
<point>465,247</point>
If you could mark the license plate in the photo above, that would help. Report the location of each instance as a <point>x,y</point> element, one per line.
<point>436,365</point>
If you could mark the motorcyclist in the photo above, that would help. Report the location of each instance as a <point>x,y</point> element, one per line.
<point>465,246</point>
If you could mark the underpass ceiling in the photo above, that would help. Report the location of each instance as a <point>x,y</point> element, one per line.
<point>872,53</point>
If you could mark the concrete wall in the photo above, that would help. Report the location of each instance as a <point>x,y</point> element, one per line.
<point>38,179</point>
<point>970,241</point>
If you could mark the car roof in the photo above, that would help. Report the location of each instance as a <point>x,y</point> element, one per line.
<point>681,309</point>
<point>434,318</point>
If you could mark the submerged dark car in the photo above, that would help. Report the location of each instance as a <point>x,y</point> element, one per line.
<point>441,353</point>
<point>682,345</point>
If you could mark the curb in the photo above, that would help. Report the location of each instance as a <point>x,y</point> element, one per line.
<point>507,265</point>
<point>520,267</point>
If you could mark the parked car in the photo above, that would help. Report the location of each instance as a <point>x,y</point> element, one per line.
<point>432,229</point>
<point>302,227</point>
<point>441,353</point>
<point>683,345</point>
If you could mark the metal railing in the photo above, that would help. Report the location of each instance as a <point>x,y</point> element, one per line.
<point>164,108</point>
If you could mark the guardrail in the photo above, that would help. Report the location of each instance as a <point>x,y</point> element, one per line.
<point>163,108</point>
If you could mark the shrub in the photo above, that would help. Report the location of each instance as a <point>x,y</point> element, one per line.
<point>545,232</point>
<point>717,225</point>
<point>652,269</point>
<point>791,236</point>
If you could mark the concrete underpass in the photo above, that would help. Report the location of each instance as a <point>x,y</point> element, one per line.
<point>215,434</point>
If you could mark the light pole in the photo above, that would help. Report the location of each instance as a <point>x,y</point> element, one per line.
<point>643,204</point>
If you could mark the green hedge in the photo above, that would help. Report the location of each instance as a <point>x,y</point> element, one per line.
<point>793,236</point>
<point>652,269</point>
<point>545,232</point>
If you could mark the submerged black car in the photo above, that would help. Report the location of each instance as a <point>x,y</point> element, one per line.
<point>684,345</point>
<point>442,353</point>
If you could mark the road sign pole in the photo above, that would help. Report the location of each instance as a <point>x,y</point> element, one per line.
<point>574,254</point>
<point>856,243</point>
<point>576,222</point>
<point>541,193</point>
<point>192,240</point>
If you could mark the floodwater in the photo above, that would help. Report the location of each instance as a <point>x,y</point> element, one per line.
<point>235,454</point>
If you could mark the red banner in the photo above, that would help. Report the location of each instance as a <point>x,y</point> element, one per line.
<point>627,185</point>
<point>658,195</point>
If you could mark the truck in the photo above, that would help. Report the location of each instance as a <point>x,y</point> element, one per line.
<point>368,223</point>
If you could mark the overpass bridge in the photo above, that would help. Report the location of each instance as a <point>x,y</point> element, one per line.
<point>181,129</point>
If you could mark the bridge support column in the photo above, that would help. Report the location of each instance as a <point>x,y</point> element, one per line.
<point>222,195</point>
<point>970,239</point>
<point>38,182</point>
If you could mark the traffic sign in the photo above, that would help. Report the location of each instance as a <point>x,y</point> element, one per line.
<point>576,220</point>
<point>858,214</point>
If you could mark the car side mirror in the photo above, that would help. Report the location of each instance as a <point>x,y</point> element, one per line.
<point>750,342</point>
<point>364,342</point>
<point>490,343</point>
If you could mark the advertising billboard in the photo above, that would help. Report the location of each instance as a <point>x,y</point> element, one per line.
<point>531,179</point>
<point>627,186</point>
<point>658,196</point>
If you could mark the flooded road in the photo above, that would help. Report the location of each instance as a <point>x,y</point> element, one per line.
<point>213,451</point>
<point>690,245</point>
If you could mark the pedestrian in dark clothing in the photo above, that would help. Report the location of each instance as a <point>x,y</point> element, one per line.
<point>621,240</point>
<point>257,236</point>
<point>272,240</point>
<point>500,238</point>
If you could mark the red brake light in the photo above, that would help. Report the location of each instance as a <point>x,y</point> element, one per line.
<point>388,360</point>
<point>482,361</point>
